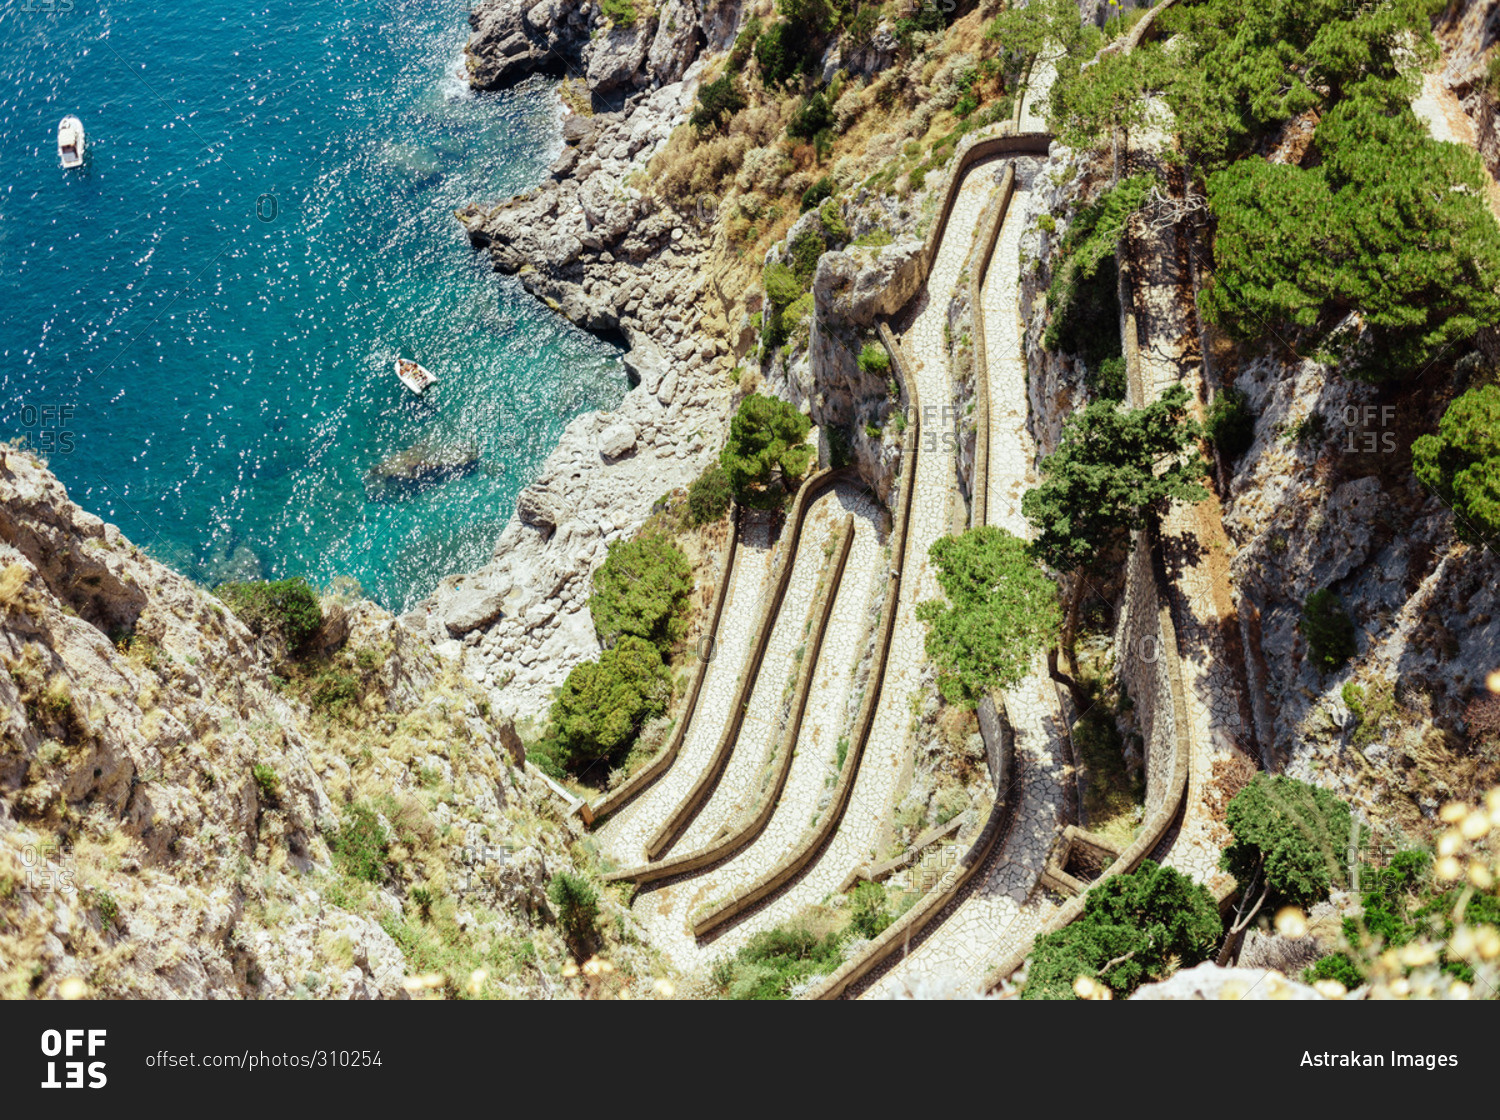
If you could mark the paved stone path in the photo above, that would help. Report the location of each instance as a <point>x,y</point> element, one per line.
<point>666,911</point>
<point>999,911</point>
<point>625,835</point>
<point>762,727</point>
<point>1034,97</point>
<point>1012,450</point>
<point>995,914</point>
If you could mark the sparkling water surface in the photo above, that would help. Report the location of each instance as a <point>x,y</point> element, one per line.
<point>199,325</point>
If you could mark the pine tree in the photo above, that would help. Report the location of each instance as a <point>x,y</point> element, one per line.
<point>1107,474</point>
<point>1461,464</point>
<point>1001,610</point>
<point>642,588</point>
<point>767,451</point>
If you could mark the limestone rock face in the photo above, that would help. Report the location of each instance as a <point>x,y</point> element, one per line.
<point>859,286</point>
<point>171,808</point>
<point>514,38</point>
<point>471,607</point>
<point>617,440</point>
<point>1208,981</point>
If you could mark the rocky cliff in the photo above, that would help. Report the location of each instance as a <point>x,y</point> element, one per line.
<point>604,252</point>
<point>184,813</point>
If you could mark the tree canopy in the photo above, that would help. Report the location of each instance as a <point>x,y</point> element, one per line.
<point>603,703</point>
<point>767,451</point>
<point>1001,610</point>
<point>642,589</point>
<point>1391,224</point>
<point>1293,834</point>
<point>1461,464</point>
<point>1132,929</point>
<point>1105,476</point>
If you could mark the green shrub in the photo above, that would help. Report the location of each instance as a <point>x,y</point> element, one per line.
<point>621,13</point>
<point>875,239</point>
<point>875,359</point>
<point>602,705</point>
<point>767,451</point>
<point>1369,712</point>
<point>1230,423</point>
<point>1001,609</point>
<point>1461,463</point>
<point>1047,223</point>
<point>1134,928</point>
<point>797,316</point>
<point>774,960</point>
<point>717,101</point>
<point>1335,966</point>
<point>286,609</point>
<point>831,216</point>
<point>811,118</point>
<point>744,44</point>
<point>360,846</point>
<point>266,782</point>
<point>817,194</point>
<point>423,899</point>
<point>781,284</point>
<point>547,755</point>
<point>1289,837</point>
<point>1328,631</point>
<point>806,248</point>
<point>642,588</point>
<point>577,906</point>
<point>108,907</point>
<point>334,691</point>
<point>870,912</point>
<point>1107,379</point>
<point>709,496</point>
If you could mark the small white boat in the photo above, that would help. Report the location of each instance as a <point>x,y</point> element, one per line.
<point>70,142</point>
<point>413,375</point>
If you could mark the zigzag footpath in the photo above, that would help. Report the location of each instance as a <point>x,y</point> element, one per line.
<point>1194,547</point>
<point>625,835</point>
<point>851,832</point>
<point>752,723</point>
<point>979,910</point>
<point>796,777</point>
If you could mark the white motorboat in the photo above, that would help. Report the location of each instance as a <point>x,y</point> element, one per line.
<point>70,142</point>
<point>414,375</point>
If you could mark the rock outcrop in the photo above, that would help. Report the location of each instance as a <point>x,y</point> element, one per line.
<point>515,38</point>
<point>606,254</point>
<point>179,821</point>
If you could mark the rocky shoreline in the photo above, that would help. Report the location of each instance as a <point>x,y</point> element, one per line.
<point>599,250</point>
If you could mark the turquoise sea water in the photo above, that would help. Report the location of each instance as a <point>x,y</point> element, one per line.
<point>199,326</point>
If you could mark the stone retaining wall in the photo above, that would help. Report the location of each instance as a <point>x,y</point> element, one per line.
<point>659,765</point>
<point>900,932</point>
<point>741,837</point>
<point>999,740</point>
<point>984,251</point>
<point>800,857</point>
<point>682,816</point>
